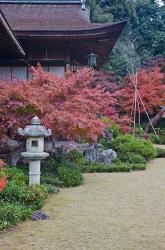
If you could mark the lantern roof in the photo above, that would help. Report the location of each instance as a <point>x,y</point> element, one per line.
<point>35,129</point>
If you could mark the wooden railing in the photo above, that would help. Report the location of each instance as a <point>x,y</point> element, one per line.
<point>74,68</point>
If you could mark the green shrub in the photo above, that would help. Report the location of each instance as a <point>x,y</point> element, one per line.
<point>18,200</point>
<point>35,196</point>
<point>12,192</point>
<point>16,175</point>
<point>119,140</point>
<point>116,130</point>
<point>131,158</point>
<point>126,143</point>
<point>111,125</point>
<point>11,214</point>
<point>76,157</point>
<point>100,167</point>
<point>63,170</point>
<point>70,176</point>
<point>115,167</point>
<point>31,196</point>
<point>50,178</point>
<point>49,165</point>
<point>138,166</point>
<point>105,143</point>
<point>160,153</point>
<point>155,139</point>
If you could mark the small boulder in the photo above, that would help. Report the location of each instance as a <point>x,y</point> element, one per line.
<point>100,156</point>
<point>107,156</point>
<point>39,215</point>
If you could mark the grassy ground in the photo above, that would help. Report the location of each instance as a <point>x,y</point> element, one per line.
<point>111,211</point>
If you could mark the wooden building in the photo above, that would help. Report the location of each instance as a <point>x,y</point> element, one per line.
<point>56,33</point>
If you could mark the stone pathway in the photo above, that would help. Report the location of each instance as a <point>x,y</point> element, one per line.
<point>124,211</point>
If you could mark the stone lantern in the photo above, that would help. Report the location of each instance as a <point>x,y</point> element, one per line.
<point>35,134</point>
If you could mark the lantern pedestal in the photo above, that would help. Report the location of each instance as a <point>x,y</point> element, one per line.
<point>34,172</point>
<point>34,165</point>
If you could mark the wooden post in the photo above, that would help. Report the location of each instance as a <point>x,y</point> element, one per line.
<point>67,59</point>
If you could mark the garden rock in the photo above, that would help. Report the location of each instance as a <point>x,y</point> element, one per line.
<point>55,189</point>
<point>100,156</point>
<point>39,215</point>
<point>98,146</point>
<point>67,146</point>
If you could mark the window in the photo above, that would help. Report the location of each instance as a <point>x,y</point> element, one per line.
<point>35,144</point>
<point>5,73</point>
<point>23,73</point>
<point>9,73</point>
<point>58,70</point>
<point>19,72</point>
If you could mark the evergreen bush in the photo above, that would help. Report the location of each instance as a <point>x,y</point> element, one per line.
<point>131,157</point>
<point>160,153</point>
<point>115,167</point>
<point>126,143</point>
<point>70,176</point>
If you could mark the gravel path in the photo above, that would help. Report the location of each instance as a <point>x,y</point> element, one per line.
<point>123,211</point>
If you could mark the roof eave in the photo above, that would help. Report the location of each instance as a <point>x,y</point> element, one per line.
<point>93,31</point>
<point>11,34</point>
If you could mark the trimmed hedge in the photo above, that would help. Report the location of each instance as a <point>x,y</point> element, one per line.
<point>160,153</point>
<point>157,140</point>
<point>126,143</point>
<point>115,167</point>
<point>131,157</point>
<point>70,177</point>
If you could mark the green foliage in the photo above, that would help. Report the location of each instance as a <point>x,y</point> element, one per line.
<point>145,28</point>
<point>98,14</point>
<point>69,176</point>
<point>17,175</point>
<point>63,169</point>
<point>33,197</point>
<point>105,143</point>
<point>76,157</point>
<point>126,143</point>
<point>13,213</point>
<point>114,167</point>
<point>132,158</point>
<point>157,140</point>
<point>18,199</point>
<point>160,153</point>
<point>111,125</point>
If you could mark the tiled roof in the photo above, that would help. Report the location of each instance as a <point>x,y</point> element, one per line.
<point>46,17</point>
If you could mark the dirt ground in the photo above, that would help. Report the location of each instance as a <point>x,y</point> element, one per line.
<point>123,211</point>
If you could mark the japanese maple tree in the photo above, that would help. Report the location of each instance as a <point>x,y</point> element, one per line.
<point>150,88</point>
<point>3,177</point>
<point>68,105</point>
